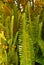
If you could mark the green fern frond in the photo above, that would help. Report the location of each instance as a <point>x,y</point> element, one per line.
<point>26,52</point>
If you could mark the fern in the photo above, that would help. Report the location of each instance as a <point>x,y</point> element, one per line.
<point>26,54</point>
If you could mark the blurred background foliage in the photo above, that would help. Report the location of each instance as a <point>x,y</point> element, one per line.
<point>13,22</point>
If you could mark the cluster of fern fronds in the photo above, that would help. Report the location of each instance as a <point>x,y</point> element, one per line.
<point>21,35</point>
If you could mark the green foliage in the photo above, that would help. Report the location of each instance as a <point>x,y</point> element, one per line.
<point>27,54</point>
<point>25,45</point>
